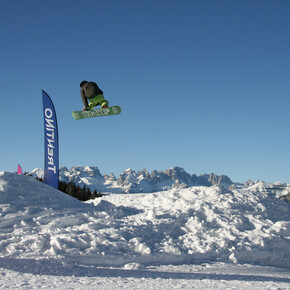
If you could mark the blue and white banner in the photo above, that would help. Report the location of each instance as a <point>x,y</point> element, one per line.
<point>51,158</point>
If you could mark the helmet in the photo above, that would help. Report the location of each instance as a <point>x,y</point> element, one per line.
<point>83,83</point>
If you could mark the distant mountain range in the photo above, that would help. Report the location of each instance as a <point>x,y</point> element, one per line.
<point>143,181</point>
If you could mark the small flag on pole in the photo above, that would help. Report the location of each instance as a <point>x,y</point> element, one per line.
<point>19,170</point>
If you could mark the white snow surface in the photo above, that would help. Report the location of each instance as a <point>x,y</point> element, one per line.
<point>197,237</point>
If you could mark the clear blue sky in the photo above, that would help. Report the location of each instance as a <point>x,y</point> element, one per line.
<point>204,85</point>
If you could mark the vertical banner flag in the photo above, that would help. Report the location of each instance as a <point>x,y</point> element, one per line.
<point>19,170</point>
<point>51,160</point>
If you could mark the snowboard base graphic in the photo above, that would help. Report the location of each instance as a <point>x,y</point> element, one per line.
<point>114,110</point>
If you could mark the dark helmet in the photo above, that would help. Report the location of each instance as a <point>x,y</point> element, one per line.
<point>83,83</point>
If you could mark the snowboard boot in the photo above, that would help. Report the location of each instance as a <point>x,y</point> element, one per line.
<point>104,105</point>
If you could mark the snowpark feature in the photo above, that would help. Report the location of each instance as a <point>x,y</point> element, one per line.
<point>212,235</point>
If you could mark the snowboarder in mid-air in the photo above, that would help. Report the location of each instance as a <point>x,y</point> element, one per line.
<point>92,96</point>
<point>90,91</point>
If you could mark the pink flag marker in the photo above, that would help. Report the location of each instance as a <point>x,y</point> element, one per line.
<point>19,170</point>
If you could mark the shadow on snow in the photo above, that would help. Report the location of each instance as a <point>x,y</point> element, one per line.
<point>61,268</point>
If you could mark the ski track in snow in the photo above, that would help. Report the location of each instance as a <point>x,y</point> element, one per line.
<point>198,237</point>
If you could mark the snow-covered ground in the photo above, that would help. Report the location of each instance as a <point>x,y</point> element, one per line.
<point>198,237</point>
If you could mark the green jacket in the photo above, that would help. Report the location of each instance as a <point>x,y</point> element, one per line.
<point>88,91</point>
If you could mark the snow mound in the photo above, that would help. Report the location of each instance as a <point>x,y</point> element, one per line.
<point>179,226</point>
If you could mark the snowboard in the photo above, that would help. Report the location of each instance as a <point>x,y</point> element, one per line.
<point>114,110</point>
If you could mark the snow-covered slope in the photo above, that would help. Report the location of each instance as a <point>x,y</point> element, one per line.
<point>178,226</point>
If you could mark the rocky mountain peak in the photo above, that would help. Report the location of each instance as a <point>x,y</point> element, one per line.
<point>131,181</point>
